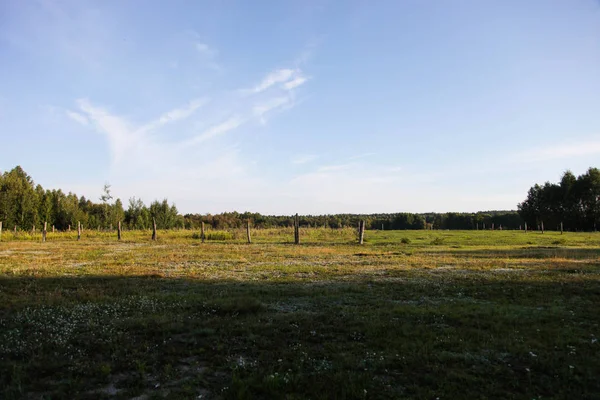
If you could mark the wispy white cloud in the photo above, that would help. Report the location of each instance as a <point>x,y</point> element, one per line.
<point>207,53</point>
<point>287,77</point>
<point>273,78</point>
<point>175,114</point>
<point>205,50</point>
<point>189,163</point>
<point>260,110</point>
<point>216,130</point>
<point>303,159</point>
<point>183,112</point>
<point>294,83</point>
<point>79,118</point>
<point>121,136</point>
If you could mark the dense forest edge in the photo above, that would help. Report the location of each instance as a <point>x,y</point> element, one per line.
<point>574,203</point>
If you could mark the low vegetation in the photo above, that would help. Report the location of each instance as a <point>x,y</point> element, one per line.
<point>410,314</point>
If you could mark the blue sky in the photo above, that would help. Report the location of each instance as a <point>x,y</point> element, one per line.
<point>301,106</point>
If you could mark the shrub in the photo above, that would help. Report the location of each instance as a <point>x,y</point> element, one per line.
<point>405,240</point>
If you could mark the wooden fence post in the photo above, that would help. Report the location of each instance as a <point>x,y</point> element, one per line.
<point>69,229</point>
<point>484,226</point>
<point>44,232</point>
<point>296,230</point>
<point>119,231</point>
<point>561,227</point>
<point>542,227</point>
<point>492,226</point>
<point>0,230</point>
<point>248,231</point>
<point>361,231</point>
<point>525,227</point>
<point>154,229</point>
<point>52,228</point>
<point>15,230</point>
<point>202,236</point>
<point>78,230</point>
<point>33,229</point>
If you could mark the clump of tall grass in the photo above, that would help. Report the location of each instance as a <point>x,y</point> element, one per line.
<point>214,235</point>
<point>438,241</point>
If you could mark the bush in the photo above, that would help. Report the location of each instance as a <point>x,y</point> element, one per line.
<point>405,240</point>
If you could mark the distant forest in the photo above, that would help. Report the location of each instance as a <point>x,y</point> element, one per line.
<point>25,205</point>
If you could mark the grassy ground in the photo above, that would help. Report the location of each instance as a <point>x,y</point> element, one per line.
<point>448,315</point>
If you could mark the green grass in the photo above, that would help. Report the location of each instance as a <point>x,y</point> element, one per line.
<point>469,314</point>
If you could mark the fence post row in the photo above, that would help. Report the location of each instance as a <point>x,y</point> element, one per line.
<point>154,229</point>
<point>78,230</point>
<point>202,231</point>
<point>119,231</point>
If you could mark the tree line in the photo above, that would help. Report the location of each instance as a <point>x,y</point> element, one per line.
<point>26,205</point>
<point>393,221</point>
<point>573,202</point>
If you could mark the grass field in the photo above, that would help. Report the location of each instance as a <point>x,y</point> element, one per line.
<point>410,314</point>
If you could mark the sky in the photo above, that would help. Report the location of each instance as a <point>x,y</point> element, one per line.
<point>300,106</point>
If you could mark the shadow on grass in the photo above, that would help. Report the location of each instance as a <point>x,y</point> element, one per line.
<point>422,337</point>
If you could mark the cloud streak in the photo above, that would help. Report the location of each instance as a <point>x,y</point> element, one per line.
<point>175,115</point>
<point>81,119</point>
<point>119,133</point>
<point>260,110</point>
<point>287,77</point>
<point>216,130</point>
<point>294,83</point>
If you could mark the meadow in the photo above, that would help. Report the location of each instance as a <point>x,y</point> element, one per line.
<point>409,314</point>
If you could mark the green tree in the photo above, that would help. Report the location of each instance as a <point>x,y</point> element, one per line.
<point>166,216</point>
